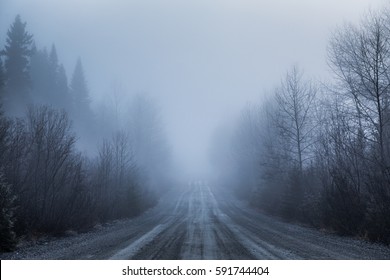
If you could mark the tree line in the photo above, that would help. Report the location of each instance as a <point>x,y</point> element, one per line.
<point>48,184</point>
<point>319,153</point>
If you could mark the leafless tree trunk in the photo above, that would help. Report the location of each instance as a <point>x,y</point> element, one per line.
<point>360,58</point>
<point>295,106</point>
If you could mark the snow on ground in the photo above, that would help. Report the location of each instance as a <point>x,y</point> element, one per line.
<point>201,224</point>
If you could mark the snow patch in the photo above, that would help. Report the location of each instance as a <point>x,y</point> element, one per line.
<point>133,248</point>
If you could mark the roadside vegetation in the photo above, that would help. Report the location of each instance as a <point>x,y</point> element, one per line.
<point>319,152</point>
<point>64,165</point>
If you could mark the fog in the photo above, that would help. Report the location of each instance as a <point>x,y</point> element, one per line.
<point>207,129</point>
<point>201,60</point>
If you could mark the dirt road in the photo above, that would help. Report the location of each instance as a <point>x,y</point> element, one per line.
<point>200,224</point>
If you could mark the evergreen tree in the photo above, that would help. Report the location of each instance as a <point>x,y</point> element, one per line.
<point>5,125</point>
<point>52,77</point>
<point>2,81</point>
<point>64,98</point>
<point>79,90</point>
<point>53,93</point>
<point>17,52</point>
<point>50,84</point>
<point>41,77</point>
<point>61,95</point>
<point>82,116</point>
<point>53,59</point>
<point>7,234</point>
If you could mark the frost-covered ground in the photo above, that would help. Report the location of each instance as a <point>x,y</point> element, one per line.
<point>199,224</point>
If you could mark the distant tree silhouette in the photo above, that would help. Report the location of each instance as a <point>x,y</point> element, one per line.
<point>41,77</point>
<point>49,81</point>
<point>17,52</point>
<point>2,80</point>
<point>79,90</point>
<point>81,113</point>
<point>64,99</point>
<point>7,234</point>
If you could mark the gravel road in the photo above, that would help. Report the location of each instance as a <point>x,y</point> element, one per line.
<point>198,223</point>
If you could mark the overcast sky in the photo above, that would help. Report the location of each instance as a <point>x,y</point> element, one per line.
<point>201,59</point>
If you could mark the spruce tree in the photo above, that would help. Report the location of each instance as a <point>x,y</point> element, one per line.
<point>17,52</point>
<point>52,78</point>
<point>49,81</point>
<point>41,77</point>
<point>2,81</point>
<point>79,91</point>
<point>7,234</point>
<point>60,95</point>
<point>64,98</point>
<point>53,59</point>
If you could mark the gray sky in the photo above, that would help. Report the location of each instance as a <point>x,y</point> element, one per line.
<point>201,59</point>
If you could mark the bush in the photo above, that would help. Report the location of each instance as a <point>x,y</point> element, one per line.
<point>344,207</point>
<point>7,234</point>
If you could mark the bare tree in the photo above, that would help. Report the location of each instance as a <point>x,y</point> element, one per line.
<point>116,179</point>
<point>294,117</point>
<point>360,58</point>
<point>45,171</point>
<point>340,165</point>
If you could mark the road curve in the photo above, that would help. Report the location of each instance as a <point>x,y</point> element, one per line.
<point>198,223</point>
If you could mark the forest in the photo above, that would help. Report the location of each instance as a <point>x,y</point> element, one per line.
<point>313,152</point>
<point>318,152</point>
<point>63,166</point>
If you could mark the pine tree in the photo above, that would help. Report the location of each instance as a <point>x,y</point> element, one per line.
<point>49,81</point>
<point>41,77</point>
<point>79,91</point>
<point>7,234</point>
<point>61,96</point>
<point>2,81</point>
<point>53,59</point>
<point>17,52</point>
<point>5,125</point>
<point>64,98</point>
<point>52,77</point>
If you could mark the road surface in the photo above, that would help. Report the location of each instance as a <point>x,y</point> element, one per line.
<point>200,224</point>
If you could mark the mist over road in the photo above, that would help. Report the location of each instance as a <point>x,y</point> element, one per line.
<point>199,223</point>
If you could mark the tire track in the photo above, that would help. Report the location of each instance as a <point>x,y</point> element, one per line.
<point>198,223</point>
